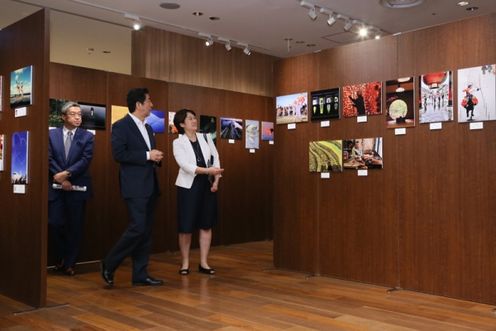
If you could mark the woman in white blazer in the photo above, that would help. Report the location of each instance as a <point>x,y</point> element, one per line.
<point>197,183</point>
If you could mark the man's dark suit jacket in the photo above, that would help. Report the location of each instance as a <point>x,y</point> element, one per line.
<point>137,175</point>
<point>77,163</point>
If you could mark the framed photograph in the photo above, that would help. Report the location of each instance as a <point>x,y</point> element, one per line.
<point>20,152</point>
<point>208,124</point>
<point>21,89</point>
<point>252,134</point>
<point>171,126</point>
<point>362,99</point>
<point>325,104</point>
<point>435,103</point>
<point>117,112</point>
<point>93,116</point>
<point>231,128</point>
<point>325,156</point>
<point>363,153</point>
<point>400,103</point>
<point>1,93</point>
<point>157,121</point>
<point>292,108</point>
<point>477,93</point>
<point>2,151</point>
<point>267,131</point>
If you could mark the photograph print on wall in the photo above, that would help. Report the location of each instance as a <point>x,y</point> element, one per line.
<point>19,158</point>
<point>325,104</point>
<point>117,112</point>
<point>252,134</point>
<point>21,91</point>
<point>325,156</point>
<point>231,128</point>
<point>477,93</point>
<point>267,131</point>
<point>362,99</point>
<point>172,127</point>
<point>292,108</point>
<point>362,153</point>
<point>435,101</point>
<point>157,121</point>
<point>208,124</point>
<point>93,116</point>
<point>2,151</point>
<point>400,103</point>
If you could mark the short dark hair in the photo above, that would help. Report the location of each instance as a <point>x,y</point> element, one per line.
<point>136,95</point>
<point>180,117</point>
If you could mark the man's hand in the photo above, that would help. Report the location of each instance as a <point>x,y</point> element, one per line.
<point>60,177</point>
<point>66,185</point>
<point>156,155</point>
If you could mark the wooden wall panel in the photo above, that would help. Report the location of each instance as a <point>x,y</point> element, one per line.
<point>425,221</point>
<point>177,58</point>
<point>23,220</point>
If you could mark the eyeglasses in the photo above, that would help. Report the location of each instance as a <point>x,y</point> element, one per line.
<point>74,114</point>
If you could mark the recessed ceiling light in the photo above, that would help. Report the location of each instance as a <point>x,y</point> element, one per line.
<point>197,13</point>
<point>169,5</point>
<point>311,45</point>
<point>472,8</point>
<point>214,18</point>
<point>300,41</point>
<point>106,52</point>
<point>398,4</point>
<point>462,3</point>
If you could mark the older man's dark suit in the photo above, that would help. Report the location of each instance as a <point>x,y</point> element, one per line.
<point>66,208</point>
<point>139,188</point>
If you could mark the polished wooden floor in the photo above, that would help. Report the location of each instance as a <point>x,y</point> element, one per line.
<point>246,294</point>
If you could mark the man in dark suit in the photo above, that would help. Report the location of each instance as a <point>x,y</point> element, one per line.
<point>133,147</point>
<point>70,151</point>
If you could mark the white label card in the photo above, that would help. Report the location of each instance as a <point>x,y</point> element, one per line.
<point>92,132</point>
<point>252,150</point>
<point>231,141</point>
<point>400,131</point>
<point>20,112</point>
<point>325,124</point>
<point>436,126</point>
<point>291,126</point>
<point>362,119</point>
<point>325,175</point>
<point>477,126</point>
<point>362,172</point>
<point>19,189</point>
<point>271,142</point>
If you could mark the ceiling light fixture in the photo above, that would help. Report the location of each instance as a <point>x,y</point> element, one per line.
<point>332,17</point>
<point>398,4</point>
<point>209,41</point>
<point>227,43</point>
<point>462,3</point>
<point>137,25</point>
<point>246,48</point>
<point>363,32</point>
<point>348,25</point>
<point>312,11</point>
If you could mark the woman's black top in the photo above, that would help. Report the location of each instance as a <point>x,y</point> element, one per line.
<point>200,161</point>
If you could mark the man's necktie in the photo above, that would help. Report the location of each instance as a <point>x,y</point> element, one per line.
<point>67,143</point>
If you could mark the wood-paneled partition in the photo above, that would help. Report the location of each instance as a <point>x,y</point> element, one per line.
<point>425,222</point>
<point>245,194</point>
<point>23,217</point>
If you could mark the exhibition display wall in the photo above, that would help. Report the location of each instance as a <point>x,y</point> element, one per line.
<point>425,222</point>
<point>24,122</point>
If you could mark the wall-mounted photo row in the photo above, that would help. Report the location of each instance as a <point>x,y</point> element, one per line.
<point>156,120</point>
<point>2,151</point>
<point>21,87</point>
<point>362,99</point>
<point>400,103</point>
<point>231,128</point>
<point>117,112</point>
<point>292,108</point>
<point>93,115</point>
<point>208,125</point>
<point>252,134</point>
<point>325,104</point>
<point>267,131</point>
<point>363,153</point>
<point>172,127</point>
<point>477,93</point>
<point>325,156</point>
<point>435,101</point>
<point>20,151</point>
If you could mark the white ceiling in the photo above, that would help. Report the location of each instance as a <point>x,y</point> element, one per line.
<point>263,24</point>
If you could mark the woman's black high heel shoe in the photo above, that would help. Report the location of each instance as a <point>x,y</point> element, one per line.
<point>205,270</point>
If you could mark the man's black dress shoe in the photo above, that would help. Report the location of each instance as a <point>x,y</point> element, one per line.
<point>107,275</point>
<point>148,281</point>
<point>206,270</point>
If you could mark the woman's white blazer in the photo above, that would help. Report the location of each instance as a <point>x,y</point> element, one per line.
<point>186,159</point>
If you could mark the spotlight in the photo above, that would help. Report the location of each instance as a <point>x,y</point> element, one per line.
<point>348,25</point>
<point>377,37</point>
<point>209,42</point>
<point>227,43</point>
<point>208,38</point>
<point>137,25</point>
<point>312,11</point>
<point>246,49</point>
<point>363,32</point>
<point>332,17</point>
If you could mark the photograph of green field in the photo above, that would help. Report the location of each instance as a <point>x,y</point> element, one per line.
<point>325,155</point>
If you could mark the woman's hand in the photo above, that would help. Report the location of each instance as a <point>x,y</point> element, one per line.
<point>214,171</point>
<point>214,187</point>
